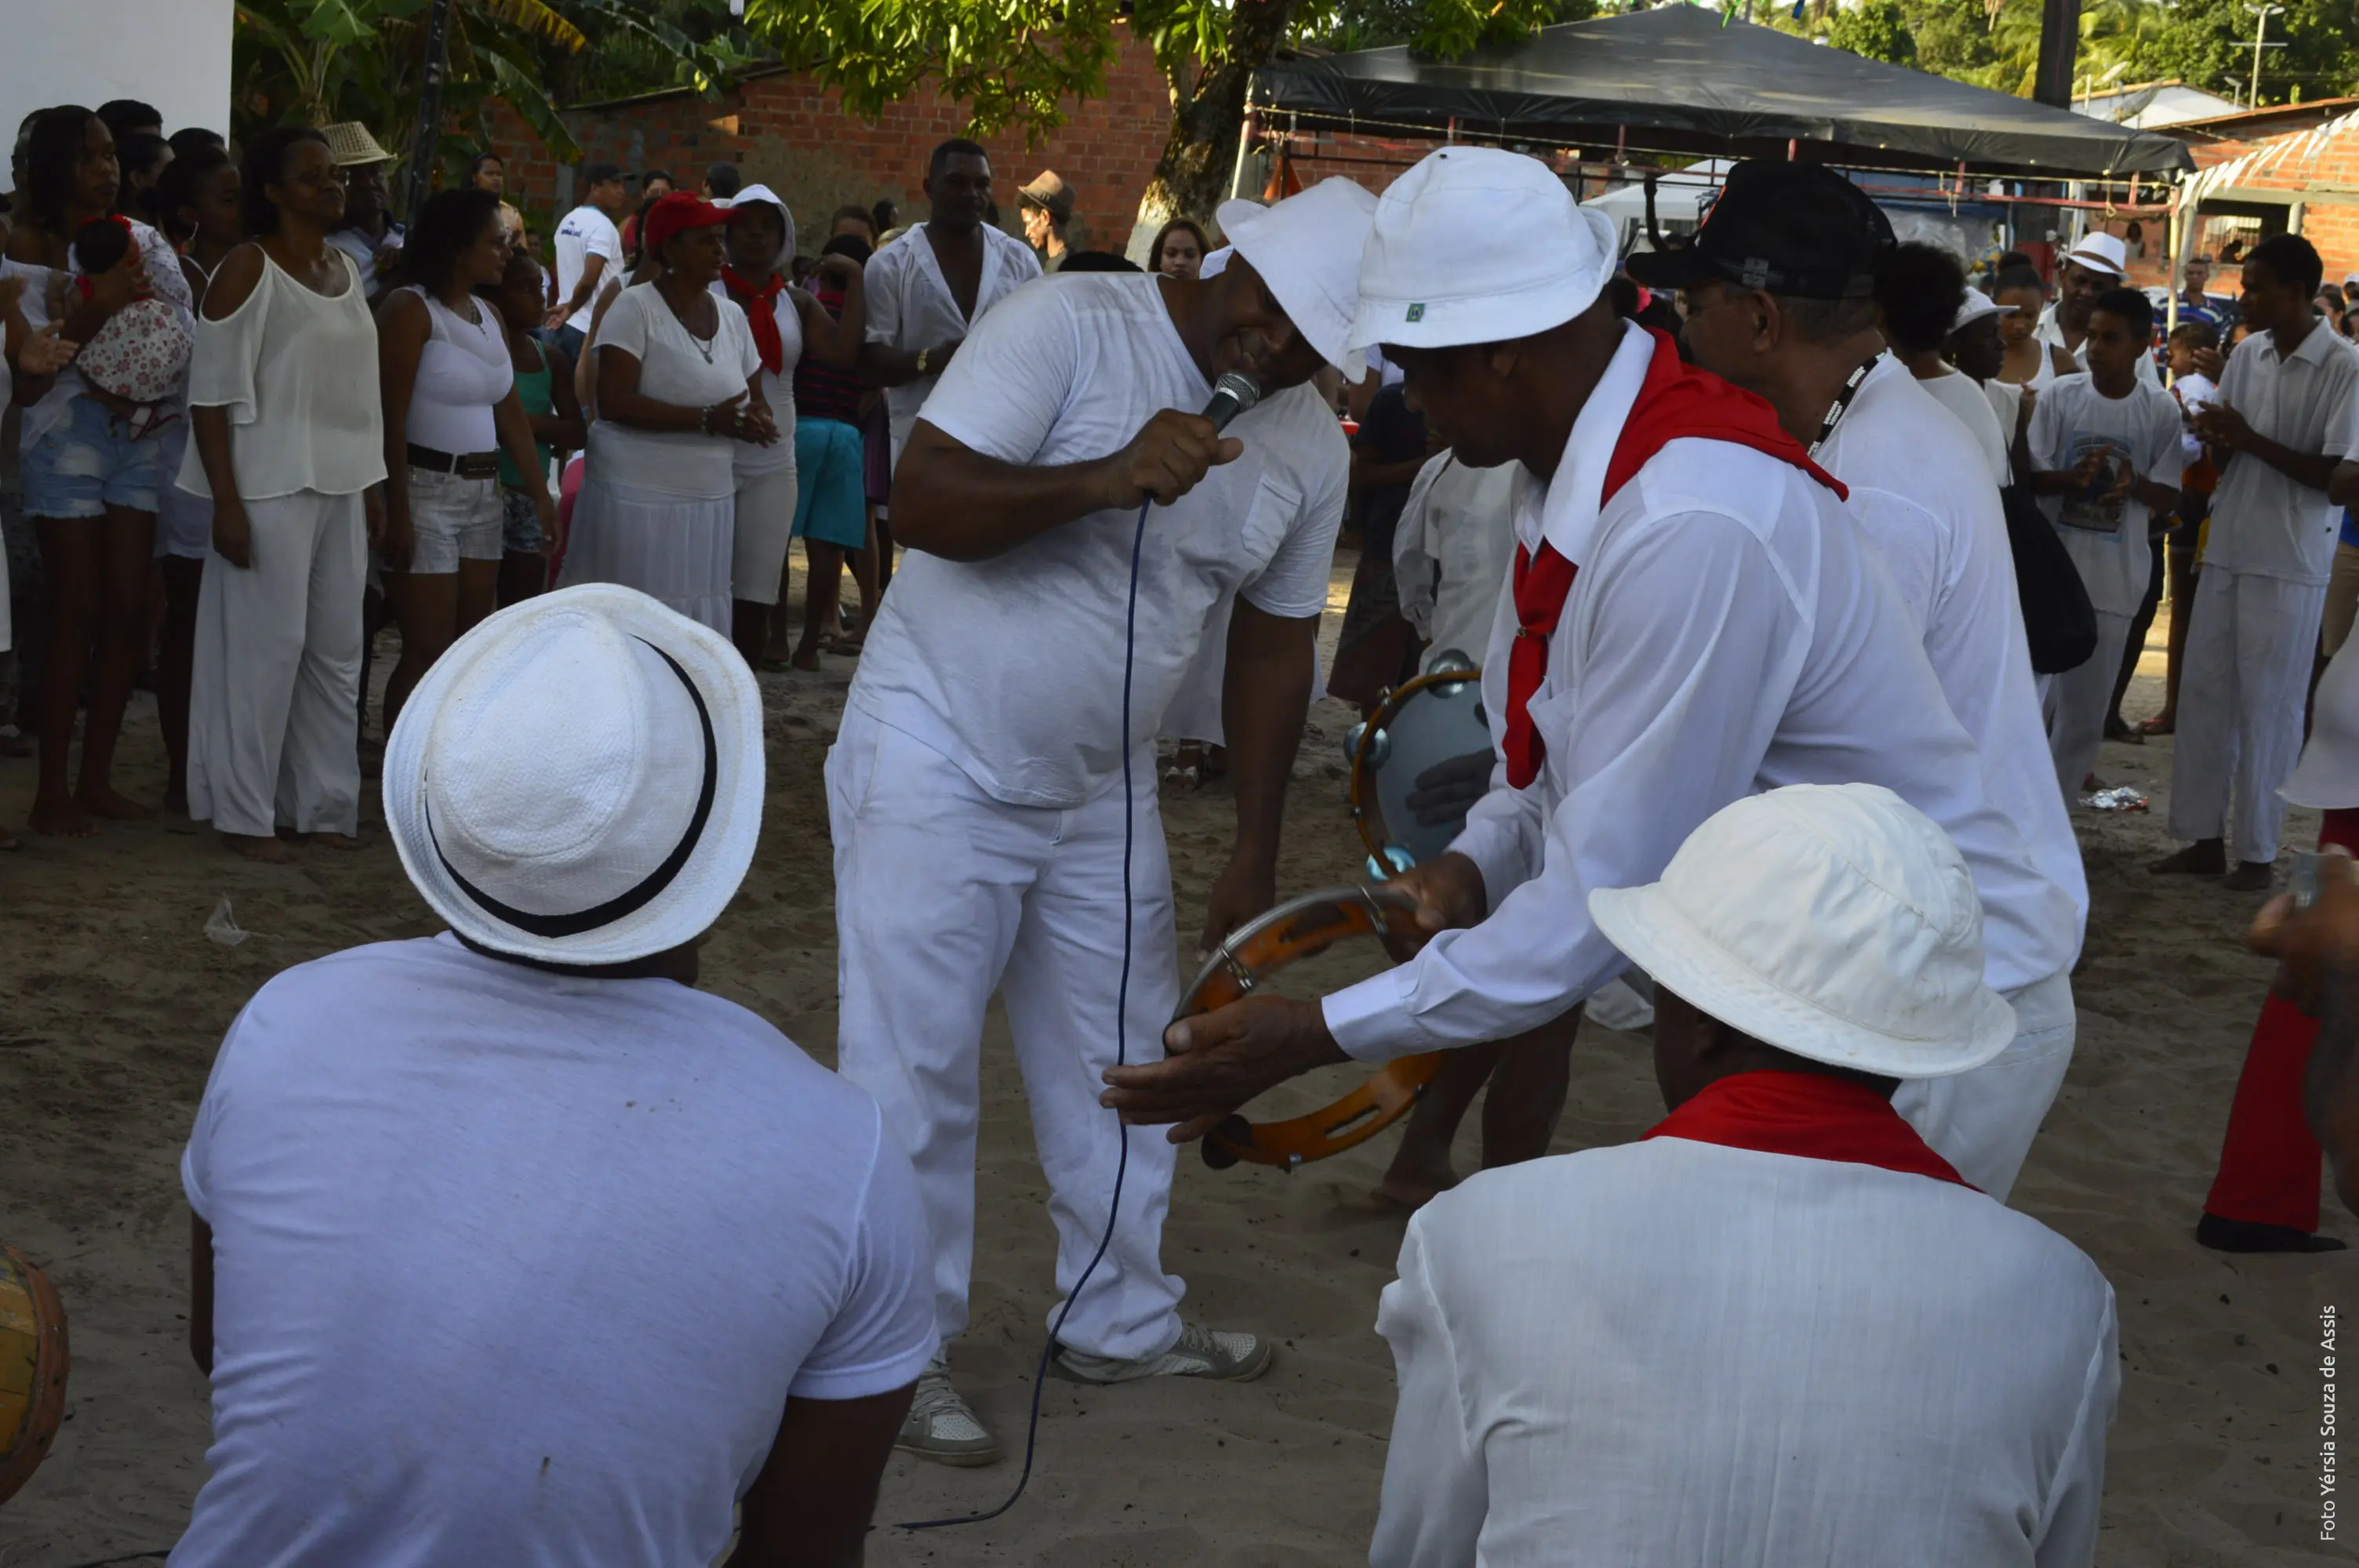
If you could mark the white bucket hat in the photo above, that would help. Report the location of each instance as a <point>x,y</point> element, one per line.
<point>1307,248</point>
<point>578,779</point>
<point>1478,246</point>
<point>2100,253</point>
<point>1976,305</point>
<point>1834,920</point>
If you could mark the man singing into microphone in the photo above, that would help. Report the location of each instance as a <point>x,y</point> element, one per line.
<point>976,790</point>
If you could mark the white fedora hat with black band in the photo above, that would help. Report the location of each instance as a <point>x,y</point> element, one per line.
<point>578,780</point>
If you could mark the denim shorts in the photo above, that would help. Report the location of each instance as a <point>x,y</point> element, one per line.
<point>452,519</point>
<point>87,462</point>
<point>519,524</point>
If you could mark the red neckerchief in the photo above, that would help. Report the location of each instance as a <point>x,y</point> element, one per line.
<point>764,320</point>
<point>1676,402</point>
<point>1808,1115</point>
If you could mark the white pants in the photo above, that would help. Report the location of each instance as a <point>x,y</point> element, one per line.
<point>765,511</point>
<point>2241,700</point>
<point>944,895</point>
<point>274,698</point>
<point>2075,702</point>
<point>1983,1122</point>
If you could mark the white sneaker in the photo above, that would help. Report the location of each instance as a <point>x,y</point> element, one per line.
<point>1200,1352</point>
<point>940,1425</point>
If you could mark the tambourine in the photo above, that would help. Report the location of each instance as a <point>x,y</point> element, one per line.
<point>32,1369</point>
<point>1294,930</point>
<point>1420,722</point>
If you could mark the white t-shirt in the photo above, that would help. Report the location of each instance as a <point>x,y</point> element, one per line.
<point>1012,666</point>
<point>518,1268</point>
<point>1962,395</point>
<point>673,368</point>
<point>778,388</point>
<point>586,232</point>
<point>2264,522</point>
<point>2193,391</point>
<point>2107,541</point>
<point>910,307</point>
<point>2052,331</point>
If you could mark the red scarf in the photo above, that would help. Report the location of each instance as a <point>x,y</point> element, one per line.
<point>1808,1115</point>
<point>1676,402</point>
<point>764,319</point>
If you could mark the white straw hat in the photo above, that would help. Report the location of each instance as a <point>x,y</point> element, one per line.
<point>1977,304</point>
<point>1834,920</point>
<point>578,779</point>
<point>1307,248</point>
<point>2101,252</point>
<point>1478,246</point>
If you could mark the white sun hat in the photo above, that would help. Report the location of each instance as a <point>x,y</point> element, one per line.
<point>1307,248</point>
<point>579,778</point>
<point>1977,304</point>
<point>2101,252</point>
<point>1479,245</point>
<point>1834,920</point>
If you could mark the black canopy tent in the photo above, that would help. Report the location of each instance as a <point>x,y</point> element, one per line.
<point>1677,79</point>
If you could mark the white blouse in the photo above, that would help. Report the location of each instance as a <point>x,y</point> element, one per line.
<point>297,372</point>
<point>676,367</point>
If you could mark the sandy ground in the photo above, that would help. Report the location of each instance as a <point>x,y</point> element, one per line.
<point>112,999</point>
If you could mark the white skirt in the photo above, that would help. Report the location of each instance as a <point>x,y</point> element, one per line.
<point>766,520</point>
<point>673,548</point>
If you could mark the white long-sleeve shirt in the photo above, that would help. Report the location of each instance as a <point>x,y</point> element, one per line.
<point>1689,1356</point>
<point>1919,489</point>
<point>1729,630</point>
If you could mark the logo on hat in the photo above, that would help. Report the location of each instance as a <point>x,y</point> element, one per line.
<point>1416,313</point>
<point>1755,274</point>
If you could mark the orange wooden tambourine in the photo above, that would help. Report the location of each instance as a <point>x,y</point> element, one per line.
<point>1294,930</point>
<point>33,1362</point>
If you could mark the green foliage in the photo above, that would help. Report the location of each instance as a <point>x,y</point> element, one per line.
<point>1876,28</point>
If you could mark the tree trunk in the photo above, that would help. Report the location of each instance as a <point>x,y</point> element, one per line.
<point>1207,116</point>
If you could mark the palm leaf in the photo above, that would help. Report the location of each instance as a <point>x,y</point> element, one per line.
<point>536,18</point>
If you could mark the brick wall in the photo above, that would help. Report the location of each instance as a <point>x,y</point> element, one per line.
<point>785,131</point>
<point>2329,222</point>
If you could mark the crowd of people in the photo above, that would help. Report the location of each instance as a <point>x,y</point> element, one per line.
<point>1805,579</point>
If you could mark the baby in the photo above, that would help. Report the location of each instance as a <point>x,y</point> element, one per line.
<point>134,362</point>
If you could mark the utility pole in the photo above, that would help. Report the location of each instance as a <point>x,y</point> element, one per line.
<point>2257,43</point>
<point>2059,46</point>
<point>430,108</point>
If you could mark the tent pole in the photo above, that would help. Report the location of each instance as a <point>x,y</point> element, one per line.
<point>1244,140</point>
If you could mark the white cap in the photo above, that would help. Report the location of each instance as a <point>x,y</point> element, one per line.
<point>1834,920</point>
<point>752,195</point>
<point>1307,248</point>
<point>2100,253</point>
<point>1977,304</point>
<point>1478,246</point>
<point>579,778</point>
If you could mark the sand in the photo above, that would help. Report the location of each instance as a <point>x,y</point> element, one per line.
<point>113,998</point>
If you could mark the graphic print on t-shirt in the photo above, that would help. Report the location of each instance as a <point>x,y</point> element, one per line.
<point>2092,509</point>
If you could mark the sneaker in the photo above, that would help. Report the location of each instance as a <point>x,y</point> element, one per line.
<point>939,1426</point>
<point>1200,1352</point>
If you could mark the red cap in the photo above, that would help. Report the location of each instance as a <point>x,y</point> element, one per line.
<point>681,209</point>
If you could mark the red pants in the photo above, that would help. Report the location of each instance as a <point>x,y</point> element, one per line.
<point>2269,1162</point>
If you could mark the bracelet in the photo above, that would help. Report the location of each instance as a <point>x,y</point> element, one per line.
<point>704,418</point>
<point>923,355</point>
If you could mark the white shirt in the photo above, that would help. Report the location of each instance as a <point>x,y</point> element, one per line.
<point>1731,630</point>
<point>1925,497</point>
<point>1962,395</point>
<point>1012,666</point>
<point>364,251</point>
<point>520,1267</point>
<point>2051,330</point>
<point>1453,551</point>
<point>1689,1356</point>
<point>777,387</point>
<point>586,232</point>
<point>296,372</point>
<point>2107,541</point>
<point>910,307</point>
<point>2193,391</point>
<point>673,368</point>
<point>2263,522</point>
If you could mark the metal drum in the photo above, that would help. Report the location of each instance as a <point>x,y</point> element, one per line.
<point>32,1369</point>
<point>1421,723</point>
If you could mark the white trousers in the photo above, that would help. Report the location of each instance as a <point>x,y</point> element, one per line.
<point>943,896</point>
<point>1983,1122</point>
<point>764,510</point>
<point>2241,700</point>
<point>2075,701</point>
<point>274,698</point>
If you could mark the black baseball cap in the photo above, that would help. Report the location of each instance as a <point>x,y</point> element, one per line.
<point>599,173</point>
<point>1796,228</point>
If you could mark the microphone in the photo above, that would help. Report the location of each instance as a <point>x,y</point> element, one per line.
<point>1232,395</point>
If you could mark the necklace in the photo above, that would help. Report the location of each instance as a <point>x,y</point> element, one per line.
<point>1841,404</point>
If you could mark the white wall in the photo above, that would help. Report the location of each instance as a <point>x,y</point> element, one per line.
<point>171,53</point>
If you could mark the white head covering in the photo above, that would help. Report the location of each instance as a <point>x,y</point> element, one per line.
<point>2100,253</point>
<point>1834,920</point>
<point>1307,248</point>
<point>579,778</point>
<point>749,195</point>
<point>1977,304</point>
<point>1478,246</point>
